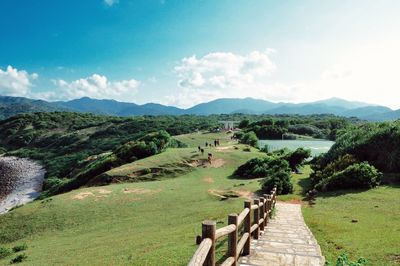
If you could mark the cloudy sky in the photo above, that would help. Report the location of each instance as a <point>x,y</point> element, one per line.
<point>185,52</point>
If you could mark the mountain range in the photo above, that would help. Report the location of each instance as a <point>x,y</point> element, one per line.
<point>10,106</point>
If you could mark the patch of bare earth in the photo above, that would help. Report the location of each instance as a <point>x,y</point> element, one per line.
<point>225,194</point>
<point>208,180</point>
<point>225,149</point>
<point>104,191</point>
<point>140,191</point>
<point>82,195</point>
<point>216,163</point>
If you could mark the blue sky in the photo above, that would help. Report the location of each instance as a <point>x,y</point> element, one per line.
<point>185,52</point>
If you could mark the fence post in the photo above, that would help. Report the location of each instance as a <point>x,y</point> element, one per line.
<point>247,228</point>
<point>208,231</point>
<point>233,238</point>
<point>256,218</point>
<point>262,200</point>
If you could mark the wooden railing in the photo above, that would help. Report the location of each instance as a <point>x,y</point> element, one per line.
<point>261,209</point>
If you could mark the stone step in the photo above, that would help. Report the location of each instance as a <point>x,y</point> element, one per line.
<point>290,248</point>
<point>289,240</point>
<point>281,259</point>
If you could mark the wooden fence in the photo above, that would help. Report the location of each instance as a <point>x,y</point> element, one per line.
<point>261,208</point>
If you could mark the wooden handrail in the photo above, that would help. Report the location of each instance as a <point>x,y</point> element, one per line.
<point>260,210</point>
<point>224,231</point>
<point>201,253</point>
<point>243,215</point>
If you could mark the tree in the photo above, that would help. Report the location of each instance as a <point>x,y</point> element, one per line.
<point>297,157</point>
<point>249,138</point>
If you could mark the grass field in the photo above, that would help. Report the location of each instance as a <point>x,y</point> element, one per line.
<point>147,223</point>
<point>360,223</point>
<point>155,223</point>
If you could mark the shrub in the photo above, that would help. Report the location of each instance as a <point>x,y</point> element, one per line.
<point>244,123</point>
<point>20,248</point>
<point>19,258</point>
<point>249,138</point>
<point>356,176</point>
<point>275,170</point>
<point>254,168</point>
<point>4,252</point>
<point>280,180</point>
<point>297,157</point>
<point>343,260</point>
<point>337,165</point>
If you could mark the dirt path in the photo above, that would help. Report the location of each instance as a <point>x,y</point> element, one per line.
<point>20,182</point>
<point>285,241</point>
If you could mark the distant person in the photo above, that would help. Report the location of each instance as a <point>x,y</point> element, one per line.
<point>202,151</point>
<point>206,144</point>
<point>215,143</point>
<point>199,148</point>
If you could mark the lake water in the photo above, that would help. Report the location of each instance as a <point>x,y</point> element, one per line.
<point>316,146</point>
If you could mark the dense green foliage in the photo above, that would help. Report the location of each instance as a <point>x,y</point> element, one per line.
<point>355,176</point>
<point>358,154</point>
<point>248,138</point>
<point>276,127</point>
<point>71,144</point>
<point>376,143</point>
<point>297,157</point>
<point>274,169</point>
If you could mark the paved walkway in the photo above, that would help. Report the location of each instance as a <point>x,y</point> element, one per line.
<point>285,241</point>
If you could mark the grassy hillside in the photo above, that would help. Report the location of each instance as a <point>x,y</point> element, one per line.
<point>153,223</point>
<point>362,223</point>
<point>67,143</point>
<point>132,224</point>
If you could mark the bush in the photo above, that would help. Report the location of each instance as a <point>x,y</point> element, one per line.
<point>254,168</point>
<point>249,138</point>
<point>20,248</point>
<point>297,157</point>
<point>275,170</point>
<point>343,260</point>
<point>356,176</point>
<point>280,180</point>
<point>19,258</point>
<point>337,165</point>
<point>4,252</point>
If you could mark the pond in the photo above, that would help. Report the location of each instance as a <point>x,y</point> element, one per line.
<point>316,146</point>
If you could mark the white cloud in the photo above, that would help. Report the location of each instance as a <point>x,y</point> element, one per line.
<point>95,86</point>
<point>111,2</point>
<point>336,72</point>
<point>221,74</point>
<point>14,82</point>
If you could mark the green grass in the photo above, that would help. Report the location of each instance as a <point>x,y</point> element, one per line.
<point>375,236</point>
<point>155,224</point>
<point>301,184</point>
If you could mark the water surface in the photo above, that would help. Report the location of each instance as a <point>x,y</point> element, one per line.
<point>316,146</point>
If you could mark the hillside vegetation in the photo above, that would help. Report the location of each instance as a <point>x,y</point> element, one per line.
<point>70,145</point>
<point>358,157</point>
<point>290,126</point>
<point>147,223</point>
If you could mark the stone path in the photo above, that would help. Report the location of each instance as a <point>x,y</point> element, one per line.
<point>285,241</point>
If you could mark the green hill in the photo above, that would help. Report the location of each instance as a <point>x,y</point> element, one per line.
<point>69,144</point>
